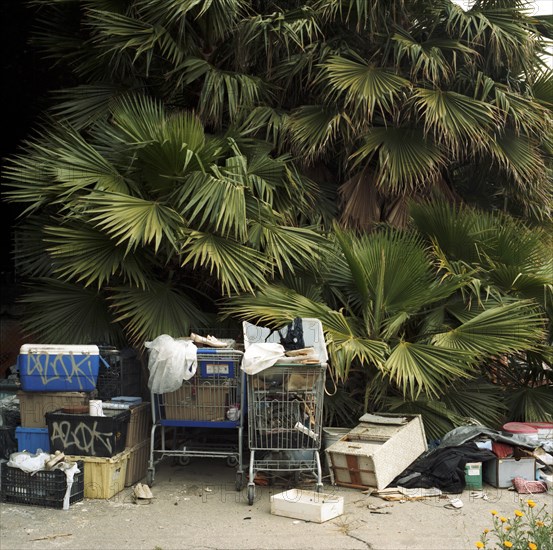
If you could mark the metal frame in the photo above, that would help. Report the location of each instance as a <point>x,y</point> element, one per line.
<point>212,399</point>
<point>285,411</point>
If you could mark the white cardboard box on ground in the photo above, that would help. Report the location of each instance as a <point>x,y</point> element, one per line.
<point>307,505</point>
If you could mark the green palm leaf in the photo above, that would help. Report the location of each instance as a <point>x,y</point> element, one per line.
<point>59,312</point>
<point>83,105</point>
<point>406,159</point>
<point>498,330</point>
<point>158,309</point>
<point>217,200</point>
<point>417,368</point>
<point>364,86</point>
<point>477,400</point>
<point>236,266</point>
<point>289,247</point>
<point>455,118</point>
<point>90,257</point>
<point>135,221</point>
<point>531,404</point>
<point>312,129</point>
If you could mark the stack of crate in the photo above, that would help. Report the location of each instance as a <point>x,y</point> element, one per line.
<point>99,442</point>
<point>53,377</point>
<point>32,435</point>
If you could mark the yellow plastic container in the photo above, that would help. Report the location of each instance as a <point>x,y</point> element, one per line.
<point>104,477</point>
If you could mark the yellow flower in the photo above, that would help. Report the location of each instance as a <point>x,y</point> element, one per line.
<point>503,520</point>
<point>507,527</point>
<point>519,513</point>
<point>532,546</point>
<point>494,513</point>
<point>531,504</point>
<point>479,544</point>
<point>486,531</point>
<point>508,544</point>
<point>540,523</point>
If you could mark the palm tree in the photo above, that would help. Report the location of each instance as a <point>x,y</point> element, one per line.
<point>382,101</point>
<point>419,318</point>
<point>137,226</point>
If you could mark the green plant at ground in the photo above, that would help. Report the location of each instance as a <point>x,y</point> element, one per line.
<point>530,528</point>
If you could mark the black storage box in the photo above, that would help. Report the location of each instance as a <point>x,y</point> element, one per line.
<point>123,377</point>
<point>85,435</point>
<point>43,488</point>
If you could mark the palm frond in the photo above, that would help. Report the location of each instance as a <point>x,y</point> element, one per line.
<point>65,313</point>
<point>289,248</point>
<point>90,257</point>
<point>420,368</point>
<point>498,330</point>
<point>455,118</point>
<point>428,58</point>
<point>157,309</point>
<point>405,158</point>
<point>135,221</point>
<point>312,129</point>
<point>83,105</point>
<point>477,400</point>
<point>364,87</point>
<point>236,266</point>
<point>531,404</point>
<point>437,418</point>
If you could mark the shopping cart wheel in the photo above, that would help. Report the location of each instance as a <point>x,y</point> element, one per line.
<point>239,481</point>
<point>184,460</point>
<point>232,461</point>
<point>150,477</point>
<point>251,493</point>
<point>319,487</point>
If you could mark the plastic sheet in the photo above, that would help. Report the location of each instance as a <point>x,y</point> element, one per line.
<point>171,361</point>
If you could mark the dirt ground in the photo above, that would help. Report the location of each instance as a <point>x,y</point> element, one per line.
<point>197,506</point>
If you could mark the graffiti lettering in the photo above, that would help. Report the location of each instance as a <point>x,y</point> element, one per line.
<point>88,440</point>
<point>71,368</point>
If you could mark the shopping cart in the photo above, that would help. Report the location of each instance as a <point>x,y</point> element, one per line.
<point>206,406</point>
<point>285,408</point>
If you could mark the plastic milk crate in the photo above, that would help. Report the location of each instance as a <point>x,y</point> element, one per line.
<point>43,488</point>
<point>58,368</point>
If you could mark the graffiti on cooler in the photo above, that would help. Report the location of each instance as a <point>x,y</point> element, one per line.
<point>62,366</point>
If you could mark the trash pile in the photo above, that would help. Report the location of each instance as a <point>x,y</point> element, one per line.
<point>373,455</point>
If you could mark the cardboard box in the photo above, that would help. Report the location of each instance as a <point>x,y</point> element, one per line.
<point>374,453</point>
<point>307,505</point>
<point>137,467</point>
<point>59,368</point>
<point>207,402</point>
<point>500,472</point>
<point>473,476</point>
<point>140,424</point>
<point>103,477</point>
<point>33,406</point>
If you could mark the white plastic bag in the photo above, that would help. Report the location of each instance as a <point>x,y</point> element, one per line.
<point>171,361</point>
<point>29,462</point>
<point>259,357</point>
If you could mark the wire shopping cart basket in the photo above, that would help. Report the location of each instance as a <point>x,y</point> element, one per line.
<point>285,408</point>
<point>209,409</point>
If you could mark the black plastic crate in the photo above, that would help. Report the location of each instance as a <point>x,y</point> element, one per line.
<point>85,435</point>
<point>123,377</point>
<point>43,488</point>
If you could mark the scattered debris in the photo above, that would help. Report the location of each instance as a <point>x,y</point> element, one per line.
<point>142,494</point>
<point>55,536</point>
